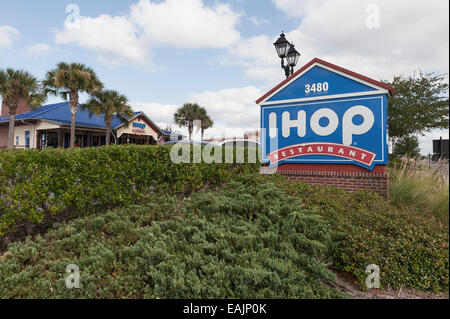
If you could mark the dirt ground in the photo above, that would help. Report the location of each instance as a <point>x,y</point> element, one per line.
<point>347,285</point>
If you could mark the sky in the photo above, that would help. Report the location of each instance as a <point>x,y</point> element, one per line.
<point>218,53</point>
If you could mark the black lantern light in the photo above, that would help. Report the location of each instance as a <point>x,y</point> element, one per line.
<point>286,50</point>
<point>282,46</point>
<point>292,56</point>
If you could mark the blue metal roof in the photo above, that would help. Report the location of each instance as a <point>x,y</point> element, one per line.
<point>60,113</point>
<point>166,132</point>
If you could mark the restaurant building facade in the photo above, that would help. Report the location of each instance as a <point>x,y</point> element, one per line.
<point>49,127</point>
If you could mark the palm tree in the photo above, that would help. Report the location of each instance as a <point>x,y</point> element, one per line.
<point>67,81</point>
<point>109,103</point>
<point>15,86</point>
<point>206,122</point>
<point>187,114</point>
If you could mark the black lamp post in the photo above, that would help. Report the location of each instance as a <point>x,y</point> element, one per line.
<point>288,51</point>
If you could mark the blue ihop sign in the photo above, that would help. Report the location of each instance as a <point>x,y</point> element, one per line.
<point>139,125</point>
<point>325,114</point>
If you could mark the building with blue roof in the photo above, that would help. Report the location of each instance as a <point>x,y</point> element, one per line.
<point>49,126</point>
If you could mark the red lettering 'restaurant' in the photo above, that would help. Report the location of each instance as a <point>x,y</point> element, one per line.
<point>331,149</point>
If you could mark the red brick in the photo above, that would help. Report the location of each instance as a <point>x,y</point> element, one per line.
<point>351,181</point>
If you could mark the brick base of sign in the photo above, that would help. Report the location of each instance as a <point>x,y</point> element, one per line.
<point>377,181</point>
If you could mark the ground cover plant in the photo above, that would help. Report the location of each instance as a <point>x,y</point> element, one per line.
<point>238,242</point>
<point>412,250</point>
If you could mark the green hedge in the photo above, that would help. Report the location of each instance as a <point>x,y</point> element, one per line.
<point>36,184</point>
<point>238,242</point>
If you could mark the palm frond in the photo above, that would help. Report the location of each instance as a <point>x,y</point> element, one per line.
<point>71,78</point>
<point>16,85</point>
<point>190,112</point>
<point>109,103</point>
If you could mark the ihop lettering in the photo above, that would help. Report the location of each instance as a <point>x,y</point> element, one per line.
<point>349,129</point>
<point>139,125</point>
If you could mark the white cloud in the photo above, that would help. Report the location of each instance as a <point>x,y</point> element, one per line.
<point>39,49</point>
<point>187,23</point>
<point>426,141</point>
<point>254,50</point>
<point>257,21</point>
<point>269,74</point>
<point>411,34</point>
<point>233,111</point>
<point>128,39</point>
<point>115,39</point>
<point>224,131</point>
<point>159,113</point>
<point>258,55</point>
<point>297,9</point>
<point>231,107</point>
<point>8,35</point>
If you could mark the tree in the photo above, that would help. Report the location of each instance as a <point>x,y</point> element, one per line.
<point>407,145</point>
<point>420,104</point>
<point>17,85</point>
<point>67,81</point>
<point>109,103</point>
<point>206,122</point>
<point>187,114</point>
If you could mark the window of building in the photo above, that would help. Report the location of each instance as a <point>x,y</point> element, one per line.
<point>52,139</point>
<point>79,140</point>
<point>95,140</point>
<point>27,139</point>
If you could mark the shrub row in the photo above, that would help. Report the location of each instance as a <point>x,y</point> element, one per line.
<point>37,184</point>
<point>239,242</point>
<point>411,250</point>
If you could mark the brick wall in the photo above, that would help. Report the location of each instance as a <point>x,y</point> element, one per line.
<point>22,107</point>
<point>3,135</point>
<point>351,181</point>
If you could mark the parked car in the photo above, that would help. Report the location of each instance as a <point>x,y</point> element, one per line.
<point>187,142</point>
<point>241,143</point>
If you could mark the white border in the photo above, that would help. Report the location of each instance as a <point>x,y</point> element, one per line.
<point>379,90</point>
<point>325,97</point>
